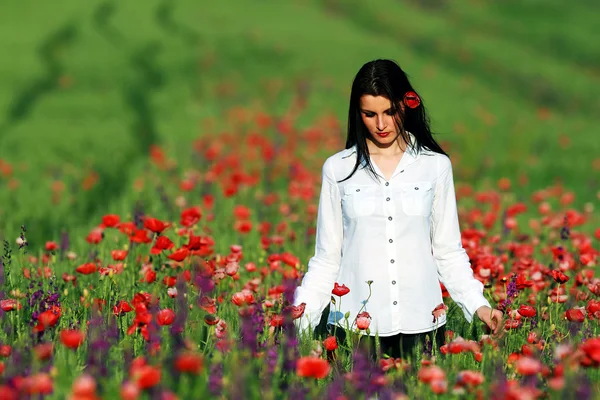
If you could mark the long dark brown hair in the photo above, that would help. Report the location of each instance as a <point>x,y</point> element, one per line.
<point>386,78</point>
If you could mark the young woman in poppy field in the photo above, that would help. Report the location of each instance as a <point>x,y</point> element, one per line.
<point>387,226</point>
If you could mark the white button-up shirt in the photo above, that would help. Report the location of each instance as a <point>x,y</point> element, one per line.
<point>402,234</point>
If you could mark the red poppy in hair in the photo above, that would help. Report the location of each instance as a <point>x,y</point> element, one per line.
<point>412,100</point>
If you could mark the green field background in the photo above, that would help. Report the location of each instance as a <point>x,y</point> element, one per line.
<point>511,88</point>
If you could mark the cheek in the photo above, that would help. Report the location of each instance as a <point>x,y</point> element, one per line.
<point>390,121</point>
<point>368,123</point>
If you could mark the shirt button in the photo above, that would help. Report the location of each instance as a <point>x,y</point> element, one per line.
<point>358,190</point>
<point>391,241</point>
<point>390,218</point>
<point>393,282</point>
<point>387,199</point>
<point>416,188</point>
<point>402,171</point>
<point>392,261</point>
<point>395,302</point>
<point>387,184</point>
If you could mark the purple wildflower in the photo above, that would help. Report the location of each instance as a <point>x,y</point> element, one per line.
<point>271,359</point>
<point>102,336</point>
<point>138,215</point>
<point>252,324</point>
<point>203,280</point>
<point>511,292</point>
<point>583,387</point>
<point>23,243</point>
<point>215,379</point>
<point>64,244</point>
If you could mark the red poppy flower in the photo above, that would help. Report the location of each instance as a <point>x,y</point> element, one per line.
<point>155,225</point>
<point>512,323</point>
<point>340,290</point>
<point>431,373</point>
<point>95,236</point>
<point>211,319</point>
<point>208,304</point>
<point>330,343</point>
<point>5,350</point>
<point>276,320</point>
<point>412,100</point>
<point>470,378</point>
<point>121,308</point>
<point>118,255</point>
<point>575,315</point>
<point>528,366</point>
<point>165,317</point>
<point>162,243</point>
<point>243,226</point>
<point>43,351</point>
<point>591,348</point>
<point>84,387</point>
<point>297,311</point>
<point>190,216</point>
<point>312,367</point>
<point>179,255</point>
<point>111,220</point>
<point>170,281</point>
<point>147,376</point>
<point>527,311</point>
<point>140,236</point>
<point>10,305</point>
<point>593,308</point>
<point>87,268</point>
<point>438,311</point>
<point>48,318</point>
<point>40,383</point>
<point>241,212</point>
<point>290,260</point>
<point>189,362</point>
<point>243,297</point>
<point>127,228</point>
<point>559,276</point>
<point>51,246</point>
<point>522,282</point>
<point>71,338</point>
<point>363,320</point>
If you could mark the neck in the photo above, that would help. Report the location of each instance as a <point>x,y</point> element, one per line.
<point>392,149</point>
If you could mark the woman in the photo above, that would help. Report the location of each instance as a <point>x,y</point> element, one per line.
<point>387,225</point>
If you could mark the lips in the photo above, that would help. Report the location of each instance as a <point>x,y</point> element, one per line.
<point>383,134</point>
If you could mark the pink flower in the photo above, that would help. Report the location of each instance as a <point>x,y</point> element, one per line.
<point>363,320</point>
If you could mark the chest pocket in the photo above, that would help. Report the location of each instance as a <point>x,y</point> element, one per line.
<point>359,200</point>
<point>416,197</point>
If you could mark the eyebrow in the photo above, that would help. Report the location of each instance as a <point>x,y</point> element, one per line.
<point>369,111</point>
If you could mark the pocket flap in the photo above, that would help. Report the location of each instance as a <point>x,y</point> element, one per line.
<point>422,186</point>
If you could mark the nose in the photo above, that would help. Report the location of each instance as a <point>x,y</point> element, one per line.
<point>380,124</point>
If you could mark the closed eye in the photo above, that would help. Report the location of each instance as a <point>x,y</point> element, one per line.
<point>371,115</point>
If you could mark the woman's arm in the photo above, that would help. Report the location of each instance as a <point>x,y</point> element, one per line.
<point>454,267</point>
<point>323,267</point>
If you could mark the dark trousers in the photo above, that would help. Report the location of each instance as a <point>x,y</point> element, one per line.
<point>401,345</point>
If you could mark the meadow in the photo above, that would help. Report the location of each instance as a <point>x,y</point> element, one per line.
<point>160,170</point>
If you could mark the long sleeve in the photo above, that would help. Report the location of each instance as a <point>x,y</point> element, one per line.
<point>454,268</point>
<point>323,267</point>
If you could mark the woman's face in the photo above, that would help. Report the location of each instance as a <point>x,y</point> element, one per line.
<point>377,116</point>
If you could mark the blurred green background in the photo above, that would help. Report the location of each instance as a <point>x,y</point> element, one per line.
<point>86,87</point>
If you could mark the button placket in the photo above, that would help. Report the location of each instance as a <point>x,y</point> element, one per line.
<point>392,248</point>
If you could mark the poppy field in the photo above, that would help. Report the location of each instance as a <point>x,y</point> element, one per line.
<point>160,167</point>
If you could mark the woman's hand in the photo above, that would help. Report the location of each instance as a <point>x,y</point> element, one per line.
<point>492,317</point>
